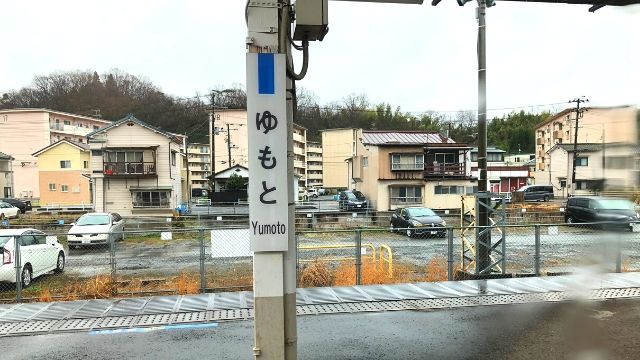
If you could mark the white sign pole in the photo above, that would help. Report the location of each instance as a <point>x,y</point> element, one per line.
<point>268,198</point>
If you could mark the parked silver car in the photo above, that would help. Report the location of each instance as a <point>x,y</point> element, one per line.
<point>96,229</point>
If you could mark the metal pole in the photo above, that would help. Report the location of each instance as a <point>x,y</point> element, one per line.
<point>186,154</point>
<point>203,280</point>
<point>575,148</point>
<point>229,144</point>
<point>212,150</point>
<point>112,261</point>
<point>450,254</point>
<point>358,241</point>
<point>18,266</point>
<point>536,257</point>
<point>619,254</point>
<point>290,256</point>
<point>484,240</point>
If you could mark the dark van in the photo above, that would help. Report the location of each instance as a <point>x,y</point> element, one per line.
<point>617,213</point>
<point>537,192</point>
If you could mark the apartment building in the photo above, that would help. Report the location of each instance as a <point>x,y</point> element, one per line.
<point>199,163</point>
<point>314,165</point>
<point>25,131</point>
<point>6,175</point>
<point>617,125</point>
<point>136,168</point>
<point>64,173</point>
<point>300,154</point>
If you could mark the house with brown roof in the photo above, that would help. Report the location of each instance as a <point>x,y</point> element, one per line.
<point>403,168</point>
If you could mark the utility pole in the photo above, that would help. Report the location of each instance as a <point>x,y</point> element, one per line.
<point>483,241</point>
<point>229,144</point>
<point>575,141</point>
<point>212,150</point>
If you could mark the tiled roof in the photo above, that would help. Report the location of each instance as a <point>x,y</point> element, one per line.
<point>132,118</point>
<point>584,147</point>
<point>403,138</point>
<point>4,156</point>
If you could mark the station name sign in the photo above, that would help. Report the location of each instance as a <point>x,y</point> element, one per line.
<point>267,130</point>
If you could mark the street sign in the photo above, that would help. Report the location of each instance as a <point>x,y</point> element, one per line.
<point>267,128</point>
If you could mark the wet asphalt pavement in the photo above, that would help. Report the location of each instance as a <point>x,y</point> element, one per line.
<point>593,330</point>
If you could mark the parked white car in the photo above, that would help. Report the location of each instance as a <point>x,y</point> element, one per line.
<point>312,192</point>
<point>96,229</point>
<point>38,255</point>
<point>8,211</point>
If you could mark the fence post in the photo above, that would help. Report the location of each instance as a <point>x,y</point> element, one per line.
<point>358,240</point>
<point>536,257</point>
<point>450,254</point>
<point>18,266</point>
<point>203,280</point>
<point>112,262</point>
<point>619,255</point>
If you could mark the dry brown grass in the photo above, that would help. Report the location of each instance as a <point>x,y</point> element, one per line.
<point>45,295</point>
<point>187,284</point>
<point>315,274</point>
<point>436,270</point>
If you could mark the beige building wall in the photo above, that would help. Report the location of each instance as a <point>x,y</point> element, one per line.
<point>616,124</point>
<point>338,145</point>
<point>77,190</point>
<point>237,121</point>
<point>113,193</point>
<point>25,131</point>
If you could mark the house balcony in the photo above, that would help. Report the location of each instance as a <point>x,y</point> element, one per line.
<point>70,129</point>
<point>558,134</point>
<point>540,141</point>
<point>447,170</point>
<point>142,168</point>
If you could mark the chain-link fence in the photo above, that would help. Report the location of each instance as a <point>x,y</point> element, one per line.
<point>191,256</point>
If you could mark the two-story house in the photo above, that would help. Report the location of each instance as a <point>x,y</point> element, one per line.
<point>503,175</point>
<point>404,168</point>
<point>64,175</point>
<point>136,168</point>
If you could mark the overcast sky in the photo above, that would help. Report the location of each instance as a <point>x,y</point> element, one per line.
<point>417,57</point>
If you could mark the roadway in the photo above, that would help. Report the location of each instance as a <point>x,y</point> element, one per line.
<point>568,330</point>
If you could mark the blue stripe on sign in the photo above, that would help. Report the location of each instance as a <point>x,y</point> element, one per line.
<point>266,74</point>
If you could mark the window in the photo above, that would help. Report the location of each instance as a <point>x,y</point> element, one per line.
<point>365,161</point>
<point>406,195</point>
<point>583,185</point>
<point>52,187</point>
<point>407,162</point>
<point>67,122</point>
<point>582,161</point>
<point>173,158</point>
<point>80,140</point>
<point>65,164</point>
<point>64,188</point>
<point>151,199</point>
<point>76,189</point>
<point>495,157</point>
<point>95,127</point>
<point>449,190</point>
<point>85,164</point>
<point>447,158</point>
<point>40,239</point>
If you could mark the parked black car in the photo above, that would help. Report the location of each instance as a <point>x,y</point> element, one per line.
<point>612,212</point>
<point>352,200</point>
<point>23,205</point>
<point>537,192</point>
<point>418,221</point>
